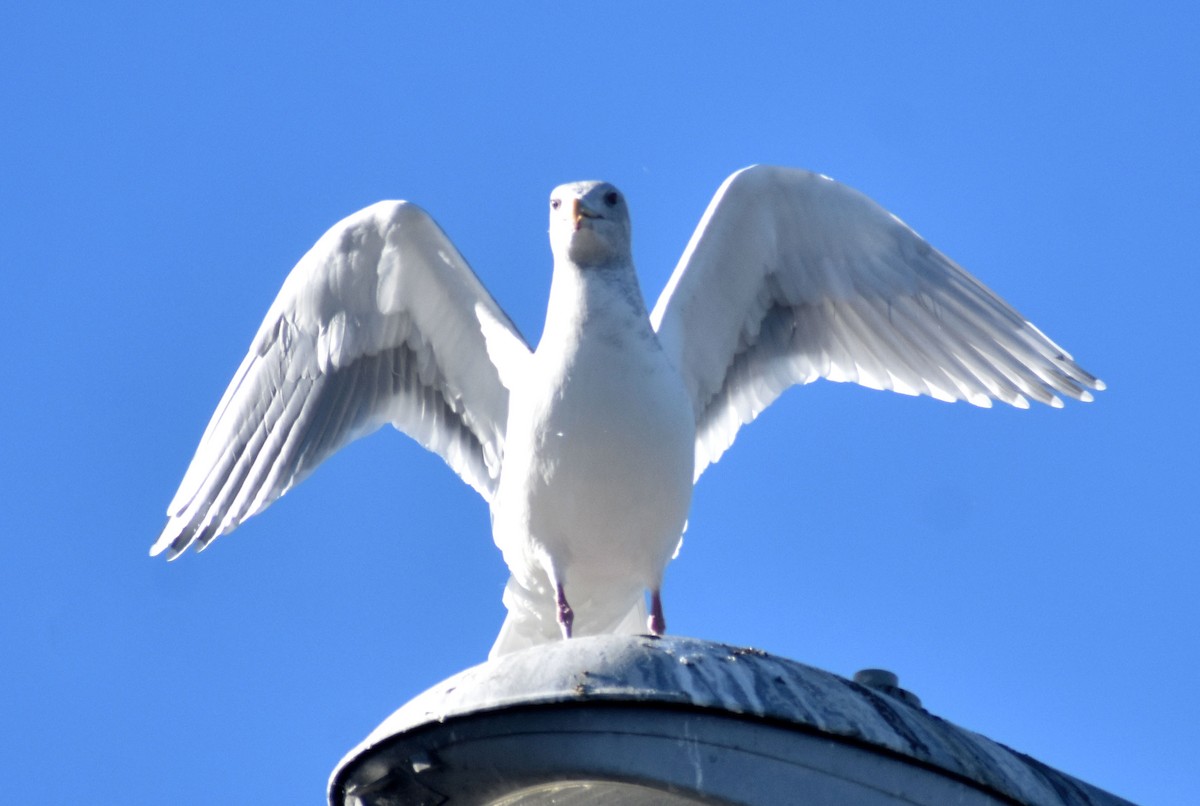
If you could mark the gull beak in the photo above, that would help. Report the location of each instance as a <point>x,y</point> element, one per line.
<point>579,211</point>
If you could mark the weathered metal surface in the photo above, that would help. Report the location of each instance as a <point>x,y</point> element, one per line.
<point>719,679</point>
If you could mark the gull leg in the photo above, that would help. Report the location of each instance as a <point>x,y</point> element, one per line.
<point>566,616</point>
<point>656,623</point>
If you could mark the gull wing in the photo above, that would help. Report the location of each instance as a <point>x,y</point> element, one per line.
<point>378,323</point>
<point>791,276</point>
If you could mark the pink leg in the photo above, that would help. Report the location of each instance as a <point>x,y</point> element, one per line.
<point>657,623</point>
<point>566,616</point>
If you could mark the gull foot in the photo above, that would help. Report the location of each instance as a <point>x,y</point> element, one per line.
<point>566,616</point>
<point>656,623</point>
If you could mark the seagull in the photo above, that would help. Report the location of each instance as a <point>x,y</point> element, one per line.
<point>587,448</point>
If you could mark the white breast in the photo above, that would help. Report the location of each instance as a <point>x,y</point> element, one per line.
<point>598,468</point>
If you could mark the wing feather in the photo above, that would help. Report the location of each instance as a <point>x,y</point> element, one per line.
<point>379,323</point>
<point>791,277</point>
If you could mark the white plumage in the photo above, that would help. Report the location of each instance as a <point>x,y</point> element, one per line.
<point>587,448</point>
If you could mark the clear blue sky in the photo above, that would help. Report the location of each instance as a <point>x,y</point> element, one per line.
<point>1031,575</point>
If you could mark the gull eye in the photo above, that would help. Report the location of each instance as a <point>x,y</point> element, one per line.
<point>611,198</point>
<point>555,204</point>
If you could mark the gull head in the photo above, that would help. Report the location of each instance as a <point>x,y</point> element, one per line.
<point>589,225</point>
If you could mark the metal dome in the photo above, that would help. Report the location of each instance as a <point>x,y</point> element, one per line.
<point>643,720</point>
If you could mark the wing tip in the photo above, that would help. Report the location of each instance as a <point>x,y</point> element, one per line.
<point>980,400</point>
<point>161,544</point>
<point>160,548</point>
<point>172,542</point>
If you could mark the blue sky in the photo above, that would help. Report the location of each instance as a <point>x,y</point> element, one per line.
<point>1030,575</point>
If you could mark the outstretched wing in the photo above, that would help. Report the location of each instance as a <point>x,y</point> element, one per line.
<point>378,323</point>
<point>791,277</point>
